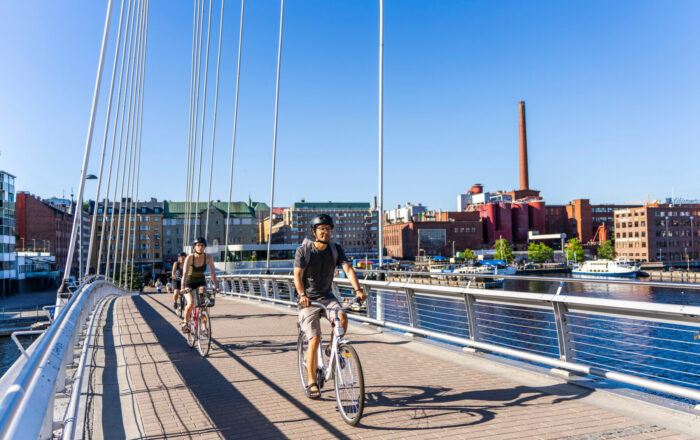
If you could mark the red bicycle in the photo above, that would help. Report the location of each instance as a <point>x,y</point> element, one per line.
<point>200,322</point>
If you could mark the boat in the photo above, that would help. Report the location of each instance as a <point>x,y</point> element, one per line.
<point>607,268</point>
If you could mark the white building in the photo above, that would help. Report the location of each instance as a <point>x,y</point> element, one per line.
<point>405,214</point>
<point>8,257</point>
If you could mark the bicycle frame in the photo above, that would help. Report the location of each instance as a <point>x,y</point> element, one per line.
<point>337,334</point>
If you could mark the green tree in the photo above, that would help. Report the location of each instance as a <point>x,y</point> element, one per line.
<point>469,255</point>
<point>504,251</point>
<point>574,250</point>
<point>132,279</point>
<point>606,250</point>
<point>539,252</point>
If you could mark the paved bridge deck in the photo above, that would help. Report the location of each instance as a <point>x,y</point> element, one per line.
<point>147,383</point>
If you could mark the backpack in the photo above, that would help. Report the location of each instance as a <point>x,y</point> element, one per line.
<point>307,245</point>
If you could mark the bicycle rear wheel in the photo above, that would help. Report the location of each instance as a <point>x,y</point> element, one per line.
<point>302,345</point>
<point>182,305</point>
<point>204,334</point>
<point>349,384</point>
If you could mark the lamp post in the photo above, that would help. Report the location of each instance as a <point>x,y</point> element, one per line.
<point>80,237</point>
<point>668,249</point>
<point>34,244</point>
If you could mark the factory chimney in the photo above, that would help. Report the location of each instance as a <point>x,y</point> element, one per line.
<point>524,181</point>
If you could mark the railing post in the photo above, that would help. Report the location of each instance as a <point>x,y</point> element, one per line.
<point>380,306</point>
<point>410,310</point>
<point>275,290</point>
<point>566,351</point>
<point>474,333</point>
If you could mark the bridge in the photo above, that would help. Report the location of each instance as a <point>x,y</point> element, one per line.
<point>441,360</point>
<point>114,364</point>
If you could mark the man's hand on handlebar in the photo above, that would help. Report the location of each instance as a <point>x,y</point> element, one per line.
<point>360,295</point>
<point>303,300</point>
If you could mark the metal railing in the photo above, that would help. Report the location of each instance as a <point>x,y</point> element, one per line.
<point>651,346</point>
<point>30,386</point>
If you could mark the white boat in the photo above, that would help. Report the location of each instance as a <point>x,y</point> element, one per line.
<point>607,268</point>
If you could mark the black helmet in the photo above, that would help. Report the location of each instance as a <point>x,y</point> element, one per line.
<point>182,254</point>
<point>199,240</point>
<point>321,219</point>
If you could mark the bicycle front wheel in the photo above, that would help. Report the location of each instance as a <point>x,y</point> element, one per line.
<point>349,384</point>
<point>204,336</point>
<point>302,345</point>
<point>192,334</point>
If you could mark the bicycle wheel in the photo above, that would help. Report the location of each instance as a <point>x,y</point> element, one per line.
<point>182,305</point>
<point>302,345</point>
<point>192,334</point>
<point>204,334</point>
<point>349,384</point>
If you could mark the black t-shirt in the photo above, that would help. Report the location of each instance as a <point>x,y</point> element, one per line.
<point>318,273</point>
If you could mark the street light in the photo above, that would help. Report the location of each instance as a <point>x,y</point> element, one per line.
<point>80,237</point>
<point>34,244</point>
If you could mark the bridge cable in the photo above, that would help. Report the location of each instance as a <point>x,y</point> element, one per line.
<point>124,199</point>
<point>213,130</point>
<point>195,122</point>
<point>114,134</point>
<point>88,144</point>
<point>204,110</point>
<point>140,131</point>
<point>104,141</point>
<point>274,138</point>
<point>380,214</point>
<point>123,144</point>
<point>135,130</point>
<point>195,24</point>
<point>233,142</point>
<point>112,254</point>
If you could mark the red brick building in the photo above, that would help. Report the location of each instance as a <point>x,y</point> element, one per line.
<point>579,219</point>
<point>43,225</point>
<point>434,236</point>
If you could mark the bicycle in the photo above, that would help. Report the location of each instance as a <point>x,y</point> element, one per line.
<point>181,304</point>
<point>200,322</point>
<point>343,365</point>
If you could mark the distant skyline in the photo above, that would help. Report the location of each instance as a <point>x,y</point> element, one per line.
<point>611,92</point>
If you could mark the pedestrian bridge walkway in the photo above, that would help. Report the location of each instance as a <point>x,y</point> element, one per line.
<point>145,382</point>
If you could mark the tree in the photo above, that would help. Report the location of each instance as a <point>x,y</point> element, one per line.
<point>606,250</point>
<point>574,250</point>
<point>469,255</point>
<point>504,250</point>
<point>539,252</point>
<point>130,278</point>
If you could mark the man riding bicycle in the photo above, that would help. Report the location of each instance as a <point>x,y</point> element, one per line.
<point>176,277</point>
<point>314,266</point>
<point>193,280</point>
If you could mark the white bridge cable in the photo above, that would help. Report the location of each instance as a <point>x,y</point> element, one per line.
<point>204,111</point>
<point>124,142</point>
<point>104,142</point>
<point>213,130</point>
<point>135,132</point>
<point>195,29</point>
<point>196,126</point>
<point>274,136</point>
<point>111,255</point>
<point>140,131</point>
<point>233,142</point>
<point>380,214</point>
<point>111,157</point>
<point>88,144</point>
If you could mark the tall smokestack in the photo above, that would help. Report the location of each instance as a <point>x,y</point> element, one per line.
<point>524,181</point>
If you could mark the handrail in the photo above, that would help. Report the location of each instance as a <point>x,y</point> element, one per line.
<point>26,409</point>
<point>402,306</point>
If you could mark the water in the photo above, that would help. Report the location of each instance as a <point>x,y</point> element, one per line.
<point>9,352</point>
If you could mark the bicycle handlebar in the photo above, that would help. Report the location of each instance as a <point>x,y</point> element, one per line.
<point>345,307</point>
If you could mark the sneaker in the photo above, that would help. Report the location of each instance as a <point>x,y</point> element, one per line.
<point>328,350</point>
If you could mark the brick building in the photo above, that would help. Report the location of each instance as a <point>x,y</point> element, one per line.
<point>658,232</point>
<point>579,219</point>
<point>47,226</point>
<point>146,219</point>
<point>437,235</point>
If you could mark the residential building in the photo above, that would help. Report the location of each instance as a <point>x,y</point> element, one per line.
<point>356,224</point>
<point>443,233</point>
<point>658,232</point>
<point>145,219</point>
<point>243,225</point>
<point>8,258</point>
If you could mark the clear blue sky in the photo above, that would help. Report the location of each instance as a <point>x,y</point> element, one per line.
<point>612,92</point>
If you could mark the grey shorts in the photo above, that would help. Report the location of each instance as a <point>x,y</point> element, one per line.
<point>310,317</point>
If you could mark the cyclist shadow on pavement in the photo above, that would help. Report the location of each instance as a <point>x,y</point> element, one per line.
<point>258,347</point>
<point>435,402</point>
<point>217,397</point>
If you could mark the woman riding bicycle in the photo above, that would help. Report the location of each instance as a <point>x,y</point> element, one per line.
<point>176,277</point>
<point>193,280</point>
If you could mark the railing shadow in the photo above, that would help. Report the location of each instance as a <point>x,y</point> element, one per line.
<point>215,394</point>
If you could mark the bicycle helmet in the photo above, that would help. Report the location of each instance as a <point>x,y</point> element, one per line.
<point>199,240</point>
<point>182,254</point>
<point>321,219</point>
